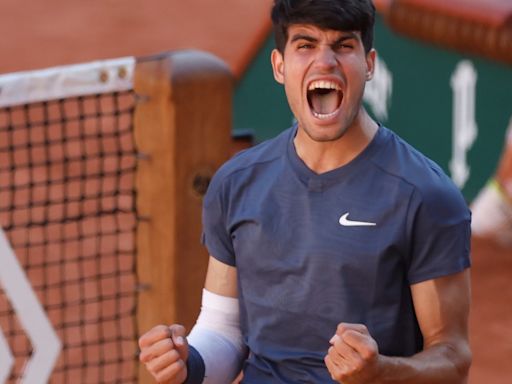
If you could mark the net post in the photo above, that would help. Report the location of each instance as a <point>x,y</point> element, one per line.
<point>183,127</point>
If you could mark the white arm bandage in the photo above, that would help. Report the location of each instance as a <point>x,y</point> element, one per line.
<point>218,339</point>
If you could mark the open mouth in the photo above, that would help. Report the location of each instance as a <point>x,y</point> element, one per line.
<point>324,98</point>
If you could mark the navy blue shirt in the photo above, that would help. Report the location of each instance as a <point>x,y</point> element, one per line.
<point>314,250</point>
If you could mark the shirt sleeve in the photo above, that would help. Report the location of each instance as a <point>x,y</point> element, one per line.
<point>216,236</point>
<point>440,234</point>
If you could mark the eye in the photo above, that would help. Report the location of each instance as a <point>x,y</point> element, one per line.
<point>344,46</point>
<point>305,46</point>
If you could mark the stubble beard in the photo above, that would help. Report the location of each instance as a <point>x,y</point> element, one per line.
<point>332,133</point>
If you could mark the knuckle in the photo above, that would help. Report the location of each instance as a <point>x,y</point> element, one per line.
<point>181,365</point>
<point>350,333</point>
<point>372,354</point>
<point>152,371</point>
<point>161,330</point>
<point>144,340</point>
<point>357,367</point>
<point>173,355</point>
<point>369,354</point>
<point>339,376</point>
<point>177,329</point>
<point>167,344</point>
<point>154,333</point>
<point>341,328</point>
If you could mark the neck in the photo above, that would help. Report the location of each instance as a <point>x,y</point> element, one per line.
<point>324,156</point>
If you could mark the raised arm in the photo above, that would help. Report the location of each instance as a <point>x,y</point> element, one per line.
<point>216,346</point>
<point>442,309</point>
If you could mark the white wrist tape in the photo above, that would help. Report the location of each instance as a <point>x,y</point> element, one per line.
<point>218,339</point>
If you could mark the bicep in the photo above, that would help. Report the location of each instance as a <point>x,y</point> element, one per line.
<point>221,278</point>
<point>442,308</point>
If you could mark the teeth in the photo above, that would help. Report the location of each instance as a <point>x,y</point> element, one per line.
<point>323,84</point>
<point>322,116</point>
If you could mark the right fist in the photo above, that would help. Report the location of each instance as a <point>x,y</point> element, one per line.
<point>164,352</point>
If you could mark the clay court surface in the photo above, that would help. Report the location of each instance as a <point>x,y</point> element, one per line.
<point>491,316</point>
<point>56,32</point>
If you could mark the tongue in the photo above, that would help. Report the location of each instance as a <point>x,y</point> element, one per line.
<point>324,102</point>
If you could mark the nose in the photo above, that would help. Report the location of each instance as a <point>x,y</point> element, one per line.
<point>326,58</point>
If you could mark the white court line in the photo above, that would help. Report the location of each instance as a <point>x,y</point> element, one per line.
<point>46,345</point>
<point>6,359</point>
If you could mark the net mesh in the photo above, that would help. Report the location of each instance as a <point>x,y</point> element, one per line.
<point>67,206</point>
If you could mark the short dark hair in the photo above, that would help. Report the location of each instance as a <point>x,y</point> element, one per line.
<point>339,15</point>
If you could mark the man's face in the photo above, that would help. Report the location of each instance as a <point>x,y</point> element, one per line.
<point>324,74</point>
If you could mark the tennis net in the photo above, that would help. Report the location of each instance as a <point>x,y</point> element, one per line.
<point>102,171</point>
<point>67,208</point>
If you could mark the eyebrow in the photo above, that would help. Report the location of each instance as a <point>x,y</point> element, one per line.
<point>346,36</point>
<point>299,36</point>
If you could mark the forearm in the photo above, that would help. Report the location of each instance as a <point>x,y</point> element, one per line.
<point>218,340</point>
<point>441,363</point>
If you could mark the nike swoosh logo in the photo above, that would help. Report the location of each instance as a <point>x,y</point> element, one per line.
<point>344,221</point>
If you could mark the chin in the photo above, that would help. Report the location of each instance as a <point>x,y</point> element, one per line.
<point>326,134</point>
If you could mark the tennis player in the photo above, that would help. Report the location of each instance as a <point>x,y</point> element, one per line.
<point>338,252</point>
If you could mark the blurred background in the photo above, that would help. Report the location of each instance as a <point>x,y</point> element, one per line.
<point>421,45</point>
<point>443,82</point>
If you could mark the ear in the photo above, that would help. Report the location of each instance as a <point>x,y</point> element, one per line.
<point>370,64</point>
<point>277,66</point>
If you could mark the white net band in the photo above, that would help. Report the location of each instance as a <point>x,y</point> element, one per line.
<point>67,81</point>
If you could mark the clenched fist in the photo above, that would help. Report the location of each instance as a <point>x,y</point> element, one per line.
<point>353,357</point>
<point>164,352</point>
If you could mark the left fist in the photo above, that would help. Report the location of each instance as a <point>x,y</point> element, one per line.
<point>353,357</point>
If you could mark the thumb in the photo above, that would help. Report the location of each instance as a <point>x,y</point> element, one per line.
<point>179,340</point>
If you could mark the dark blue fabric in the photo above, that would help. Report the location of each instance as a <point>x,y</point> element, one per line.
<point>195,367</point>
<point>301,272</point>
